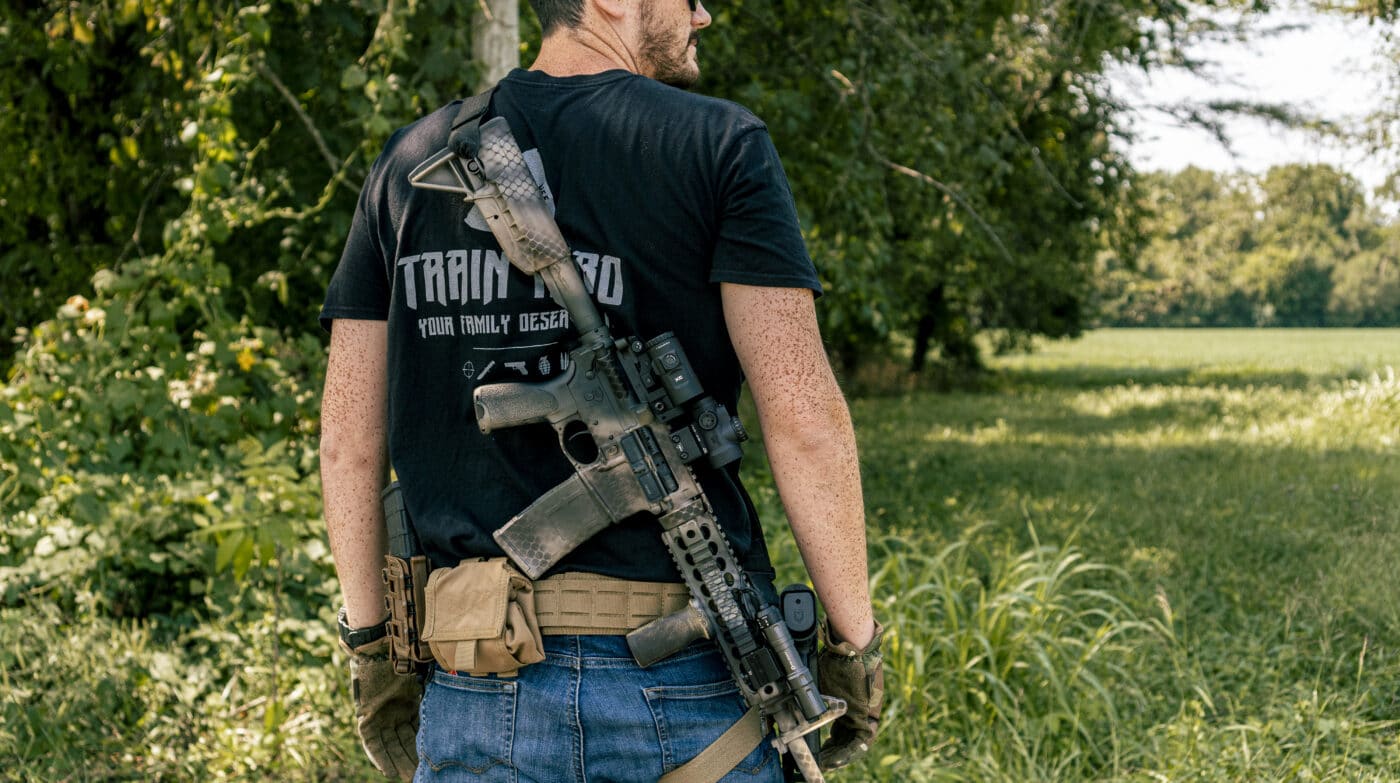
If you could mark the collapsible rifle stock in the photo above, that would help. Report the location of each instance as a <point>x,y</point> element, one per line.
<point>632,418</point>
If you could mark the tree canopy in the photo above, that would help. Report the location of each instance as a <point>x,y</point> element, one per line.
<point>1297,246</point>
<point>954,163</point>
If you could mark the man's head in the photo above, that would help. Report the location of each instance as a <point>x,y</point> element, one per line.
<point>670,36</point>
<point>655,37</point>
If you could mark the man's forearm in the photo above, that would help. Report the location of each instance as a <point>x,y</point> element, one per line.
<point>354,463</point>
<point>810,442</point>
<point>818,478</point>
<point>355,526</point>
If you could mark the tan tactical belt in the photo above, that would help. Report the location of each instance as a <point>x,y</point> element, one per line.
<point>579,603</point>
<point>483,615</point>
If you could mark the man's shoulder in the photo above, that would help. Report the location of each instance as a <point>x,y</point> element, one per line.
<point>706,109</point>
<point>695,101</point>
<point>626,98</point>
<point>420,139</point>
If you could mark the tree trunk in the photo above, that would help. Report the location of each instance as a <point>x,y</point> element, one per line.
<point>935,311</point>
<point>936,326</point>
<point>495,39</point>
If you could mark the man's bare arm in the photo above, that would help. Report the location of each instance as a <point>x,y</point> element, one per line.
<point>811,444</point>
<point>354,463</point>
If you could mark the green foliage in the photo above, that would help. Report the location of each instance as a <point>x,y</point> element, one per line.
<point>132,451</point>
<point>157,436</point>
<point>86,148</point>
<point>96,699</point>
<point>1228,488</point>
<point>952,162</point>
<point>159,432</point>
<point>1238,479</point>
<point>239,129</point>
<point>1297,246</point>
<point>165,585</point>
<point>1216,617</point>
<point>1380,130</point>
<point>176,183</point>
<point>1001,663</point>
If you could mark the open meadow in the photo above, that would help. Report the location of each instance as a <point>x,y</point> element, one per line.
<point>1146,555</point>
<point>1238,494</point>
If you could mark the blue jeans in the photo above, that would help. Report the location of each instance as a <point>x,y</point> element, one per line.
<point>587,713</point>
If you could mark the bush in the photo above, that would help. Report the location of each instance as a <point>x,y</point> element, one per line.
<point>159,432</point>
<point>145,456</point>
<point>261,698</point>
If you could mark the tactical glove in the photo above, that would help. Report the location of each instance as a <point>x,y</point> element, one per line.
<point>386,709</point>
<point>858,677</point>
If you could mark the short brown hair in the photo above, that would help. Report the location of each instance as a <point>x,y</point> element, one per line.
<point>554,14</point>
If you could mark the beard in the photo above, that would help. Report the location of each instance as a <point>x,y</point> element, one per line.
<point>667,51</point>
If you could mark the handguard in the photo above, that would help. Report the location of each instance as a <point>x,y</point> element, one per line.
<point>631,417</point>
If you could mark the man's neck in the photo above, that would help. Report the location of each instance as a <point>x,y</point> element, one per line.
<point>580,52</point>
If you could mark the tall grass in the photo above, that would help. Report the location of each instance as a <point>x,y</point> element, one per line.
<point>1003,663</point>
<point>263,697</point>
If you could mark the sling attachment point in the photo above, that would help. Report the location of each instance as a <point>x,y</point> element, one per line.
<point>465,140</point>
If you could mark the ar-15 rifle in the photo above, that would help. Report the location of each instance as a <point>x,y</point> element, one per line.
<point>631,417</point>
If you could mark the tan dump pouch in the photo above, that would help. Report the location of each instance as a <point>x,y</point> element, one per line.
<point>480,618</point>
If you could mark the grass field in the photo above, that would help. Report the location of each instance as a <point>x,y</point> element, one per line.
<point>1286,357</point>
<point>1242,489</point>
<point>1146,555</point>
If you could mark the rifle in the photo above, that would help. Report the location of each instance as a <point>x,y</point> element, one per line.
<point>631,417</point>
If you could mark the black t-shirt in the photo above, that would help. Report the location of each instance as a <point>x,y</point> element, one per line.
<point>661,195</point>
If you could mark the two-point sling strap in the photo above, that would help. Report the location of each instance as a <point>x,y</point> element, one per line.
<point>724,754</point>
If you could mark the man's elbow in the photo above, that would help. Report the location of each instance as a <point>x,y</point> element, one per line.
<point>331,451</point>
<point>807,443</point>
<point>811,432</point>
<point>341,455</point>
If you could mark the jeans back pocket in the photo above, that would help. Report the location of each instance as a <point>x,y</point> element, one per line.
<point>690,717</point>
<point>467,731</point>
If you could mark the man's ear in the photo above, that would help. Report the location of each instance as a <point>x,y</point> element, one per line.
<point>612,10</point>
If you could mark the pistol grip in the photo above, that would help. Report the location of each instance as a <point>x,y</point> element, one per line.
<point>502,405</point>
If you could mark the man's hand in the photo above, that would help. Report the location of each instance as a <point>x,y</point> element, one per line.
<point>858,677</point>
<point>386,709</point>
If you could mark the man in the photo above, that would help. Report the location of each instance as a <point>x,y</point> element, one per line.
<point>680,218</point>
